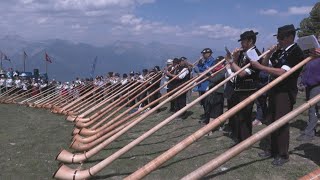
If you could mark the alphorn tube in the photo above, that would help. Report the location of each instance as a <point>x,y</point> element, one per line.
<point>221,159</point>
<point>103,133</point>
<point>34,97</point>
<point>67,157</point>
<point>314,175</point>
<point>123,99</point>
<point>60,109</point>
<point>103,111</point>
<point>4,95</point>
<point>154,164</point>
<point>85,131</point>
<point>28,93</point>
<point>111,96</point>
<point>87,119</point>
<point>78,146</point>
<point>90,110</point>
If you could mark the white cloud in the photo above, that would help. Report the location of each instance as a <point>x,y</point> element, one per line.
<point>268,12</point>
<point>299,10</point>
<point>42,20</point>
<point>294,10</point>
<point>215,31</point>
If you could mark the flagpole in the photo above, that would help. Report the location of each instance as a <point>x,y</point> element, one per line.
<point>46,66</point>
<point>24,63</point>
<point>1,59</point>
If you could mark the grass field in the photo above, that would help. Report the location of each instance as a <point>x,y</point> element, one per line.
<point>31,138</point>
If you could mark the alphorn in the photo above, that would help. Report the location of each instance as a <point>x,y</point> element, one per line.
<point>104,131</point>
<point>314,175</point>
<point>221,159</point>
<point>79,103</point>
<point>154,164</point>
<point>76,145</point>
<point>63,98</point>
<point>132,107</point>
<point>45,92</point>
<point>68,157</point>
<point>61,109</point>
<point>58,103</point>
<point>92,109</point>
<point>87,102</point>
<point>104,111</point>
<point>4,95</point>
<point>99,113</point>
<point>34,97</point>
<point>14,95</point>
<point>111,97</point>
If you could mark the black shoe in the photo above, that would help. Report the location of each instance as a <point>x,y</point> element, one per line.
<point>305,138</point>
<point>265,154</point>
<point>279,161</point>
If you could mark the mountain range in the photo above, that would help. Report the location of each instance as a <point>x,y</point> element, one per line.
<point>71,60</point>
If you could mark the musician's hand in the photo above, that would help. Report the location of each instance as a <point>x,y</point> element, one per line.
<point>273,48</point>
<point>315,52</point>
<point>228,58</point>
<point>236,53</point>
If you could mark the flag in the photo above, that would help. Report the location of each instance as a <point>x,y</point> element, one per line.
<point>48,58</point>
<point>25,55</point>
<point>93,66</point>
<point>5,57</point>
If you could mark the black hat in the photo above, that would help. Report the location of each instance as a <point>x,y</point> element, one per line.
<point>124,75</point>
<point>206,50</point>
<point>286,29</point>
<point>157,68</point>
<point>176,61</point>
<point>183,58</point>
<point>248,35</point>
<point>219,58</point>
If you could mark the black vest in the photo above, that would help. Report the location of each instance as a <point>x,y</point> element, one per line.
<point>249,82</point>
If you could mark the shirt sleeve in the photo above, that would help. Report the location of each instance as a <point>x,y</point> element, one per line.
<point>185,72</point>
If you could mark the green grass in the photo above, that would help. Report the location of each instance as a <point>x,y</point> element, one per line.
<point>39,136</point>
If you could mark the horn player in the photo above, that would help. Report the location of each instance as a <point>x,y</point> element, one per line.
<point>282,97</point>
<point>244,84</point>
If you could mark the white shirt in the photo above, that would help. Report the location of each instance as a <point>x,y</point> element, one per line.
<point>18,83</point>
<point>124,81</point>
<point>9,83</point>
<point>184,72</point>
<point>2,82</point>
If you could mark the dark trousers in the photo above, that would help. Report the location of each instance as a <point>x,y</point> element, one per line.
<point>202,102</point>
<point>180,101</point>
<point>279,105</point>
<point>214,106</point>
<point>154,97</point>
<point>241,122</point>
<point>172,102</point>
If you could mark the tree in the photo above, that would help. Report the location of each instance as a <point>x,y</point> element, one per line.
<point>311,24</point>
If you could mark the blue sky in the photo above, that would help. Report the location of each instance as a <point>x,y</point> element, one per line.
<point>199,23</point>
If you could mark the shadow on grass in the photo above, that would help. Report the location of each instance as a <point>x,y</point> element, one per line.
<point>231,169</point>
<point>311,152</point>
<point>192,157</point>
<point>111,175</point>
<point>128,157</point>
<point>299,124</point>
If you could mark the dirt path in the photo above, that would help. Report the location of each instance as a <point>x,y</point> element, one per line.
<point>31,138</point>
